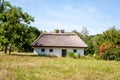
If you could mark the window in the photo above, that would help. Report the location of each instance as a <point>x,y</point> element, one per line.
<point>50,50</point>
<point>42,50</point>
<point>74,50</point>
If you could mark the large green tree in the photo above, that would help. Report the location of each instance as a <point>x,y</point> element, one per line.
<point>14,27</point>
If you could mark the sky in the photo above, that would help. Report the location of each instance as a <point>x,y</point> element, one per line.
<point>96,15</point>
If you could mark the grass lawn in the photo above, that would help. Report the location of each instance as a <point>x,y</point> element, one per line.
<point>29,67</point>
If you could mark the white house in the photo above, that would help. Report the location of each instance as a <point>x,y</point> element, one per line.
<point>58,44</point>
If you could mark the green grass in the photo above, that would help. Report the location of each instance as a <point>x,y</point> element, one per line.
<point>29,67</point>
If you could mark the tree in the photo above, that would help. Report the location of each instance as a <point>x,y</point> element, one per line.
<point>112,54</point>
<point>14,25</point>
<point>79,34</point>
<point>56,30</point>
<point>90,48</point>
<point>84,31</point>
<point>88,41</point>
<point>109,39</point>
<point>3,22</point>
<point>29,37</point>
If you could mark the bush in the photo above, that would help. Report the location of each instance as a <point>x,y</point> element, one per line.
<point>97,57</point>
<point>78,55</point>
<point>71,54</point>
<point>90,55</point>
<point>112,54</point>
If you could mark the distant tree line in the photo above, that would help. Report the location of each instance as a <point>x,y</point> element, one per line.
<point>105,45</point>
<point>16,34</point>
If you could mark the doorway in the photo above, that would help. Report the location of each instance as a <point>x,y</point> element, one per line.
<point>64,52</point>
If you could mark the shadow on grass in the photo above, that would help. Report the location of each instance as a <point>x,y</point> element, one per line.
<point>31,55</point>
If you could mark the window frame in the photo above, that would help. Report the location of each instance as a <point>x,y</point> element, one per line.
<point>50,50</point>
<point>75,50</point>
<point>42,50</point>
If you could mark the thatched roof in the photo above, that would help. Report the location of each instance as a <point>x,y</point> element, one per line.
<point>59,40</point>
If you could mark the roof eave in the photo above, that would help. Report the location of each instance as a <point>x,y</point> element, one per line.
<point>62,46</point>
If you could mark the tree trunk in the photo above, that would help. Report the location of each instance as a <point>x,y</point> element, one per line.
<point>5,48</point>
<point>10,50</point>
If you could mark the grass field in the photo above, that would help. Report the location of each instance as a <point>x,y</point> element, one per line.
<point>30,67</point>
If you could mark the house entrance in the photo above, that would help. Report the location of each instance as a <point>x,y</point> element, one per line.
<point>64,52</point>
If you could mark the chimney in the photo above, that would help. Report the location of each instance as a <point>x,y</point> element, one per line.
<point>62,31</point>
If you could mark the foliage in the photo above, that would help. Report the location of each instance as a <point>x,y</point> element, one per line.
<point>112,54</point>
<point>109,39</point>
<point>28,37</point>
<point>71,54</point>
<point>96,56</point>
<point>90,48</point>
<point>90,55</point>
<point>100,43</point>
<point>80,35</point>
<point>88,40</point>
<point>78,55</point>
<point>15,29</point>
<point>74,55</point>
<point>84,31</point>
<point>56,30</point>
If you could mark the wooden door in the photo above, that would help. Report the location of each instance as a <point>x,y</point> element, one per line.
<point>64,52</point>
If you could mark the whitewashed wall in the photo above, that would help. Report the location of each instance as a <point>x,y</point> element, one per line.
<point>58,51</point>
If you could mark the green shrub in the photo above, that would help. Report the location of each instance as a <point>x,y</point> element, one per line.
<point>97,57</point>
<point>112,54</point>
<point>78,55</point>
<point>90,55</point>
<point>71,54</point>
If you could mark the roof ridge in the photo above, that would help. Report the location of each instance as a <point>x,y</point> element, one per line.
<point>66,34</point>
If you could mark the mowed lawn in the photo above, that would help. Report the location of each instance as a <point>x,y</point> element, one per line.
<point>28,67</point>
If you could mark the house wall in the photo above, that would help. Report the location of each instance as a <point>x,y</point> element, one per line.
<point>57,51</point>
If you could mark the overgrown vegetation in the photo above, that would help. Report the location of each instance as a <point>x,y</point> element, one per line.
<point>105,46</point>
<point>73,55</point>
<point>112,54</point>
<point>25,66</point>
<point>16,34</point>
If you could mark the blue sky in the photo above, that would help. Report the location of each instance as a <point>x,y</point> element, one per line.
<point>96,15</point>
